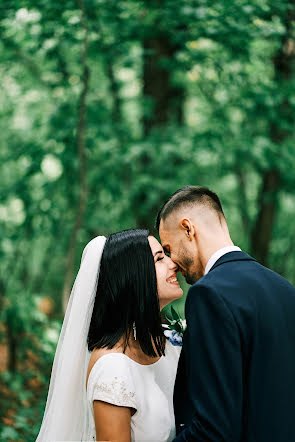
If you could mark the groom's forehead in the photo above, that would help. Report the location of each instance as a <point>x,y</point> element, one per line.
<point>166,232</point>
<point>168,225</point>
<point>162,232</point>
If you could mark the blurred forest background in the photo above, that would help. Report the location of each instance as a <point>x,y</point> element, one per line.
<point>106,108</point>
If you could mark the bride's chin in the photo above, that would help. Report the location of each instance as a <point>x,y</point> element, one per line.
<point>178,295</point>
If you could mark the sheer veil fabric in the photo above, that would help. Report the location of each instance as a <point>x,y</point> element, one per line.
<point>66,416</point>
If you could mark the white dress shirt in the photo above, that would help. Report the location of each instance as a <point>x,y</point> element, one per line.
<point>218,254</point>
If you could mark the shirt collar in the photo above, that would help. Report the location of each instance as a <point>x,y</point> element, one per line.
<point>218,254</point>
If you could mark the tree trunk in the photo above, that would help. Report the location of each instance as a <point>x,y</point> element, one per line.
<point>263,228</point>
<point>12,344</point>
<point>243,202</point>
<point>164,101</point>
<point>163,104</point>
<point>267,200</point>
<point>114,90</point>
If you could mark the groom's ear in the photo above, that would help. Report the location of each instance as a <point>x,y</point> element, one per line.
<point>188,227</point>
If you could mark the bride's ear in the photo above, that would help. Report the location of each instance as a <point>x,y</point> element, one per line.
<point>188,228</point>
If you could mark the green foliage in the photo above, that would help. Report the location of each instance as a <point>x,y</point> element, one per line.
<point>178,93</point>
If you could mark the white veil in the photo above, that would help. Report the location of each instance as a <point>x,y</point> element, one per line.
<point>66,416</point>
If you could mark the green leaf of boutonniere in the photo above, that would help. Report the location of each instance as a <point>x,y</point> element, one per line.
<point>174,314</point>
<point>176,323</point>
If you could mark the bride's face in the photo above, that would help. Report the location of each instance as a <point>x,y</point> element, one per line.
<point>168,286</point>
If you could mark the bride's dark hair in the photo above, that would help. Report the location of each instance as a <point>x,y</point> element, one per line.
<point>127,293</point>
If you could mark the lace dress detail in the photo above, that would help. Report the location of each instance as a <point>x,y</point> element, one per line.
<point>116,391</point>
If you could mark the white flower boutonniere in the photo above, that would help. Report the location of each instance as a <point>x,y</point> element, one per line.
<point>174,331</point>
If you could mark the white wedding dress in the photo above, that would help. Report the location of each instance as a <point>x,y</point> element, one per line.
<point>117,379</point>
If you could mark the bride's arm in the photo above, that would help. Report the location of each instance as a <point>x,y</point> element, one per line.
<point>112,423</point>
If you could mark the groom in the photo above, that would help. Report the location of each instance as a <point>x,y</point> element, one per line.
<point>236,374</point>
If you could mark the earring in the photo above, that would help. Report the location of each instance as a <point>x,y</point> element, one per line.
<point>134,331</point>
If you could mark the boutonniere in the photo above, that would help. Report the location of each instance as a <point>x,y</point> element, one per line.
<point>175,329</point>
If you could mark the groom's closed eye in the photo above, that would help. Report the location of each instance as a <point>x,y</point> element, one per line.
<point>167,252</point>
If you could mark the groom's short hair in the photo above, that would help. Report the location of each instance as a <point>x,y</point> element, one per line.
<point>189,196</point>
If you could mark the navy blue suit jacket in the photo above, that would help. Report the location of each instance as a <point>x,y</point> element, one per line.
<point>236,374</point>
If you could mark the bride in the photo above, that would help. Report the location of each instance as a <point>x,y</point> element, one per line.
<point>113,373</point>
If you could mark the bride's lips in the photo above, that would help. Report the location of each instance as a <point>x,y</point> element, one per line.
<point>172,279</point>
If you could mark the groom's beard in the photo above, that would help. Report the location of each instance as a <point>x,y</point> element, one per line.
<point>190,274</point>
<point>191,277</point>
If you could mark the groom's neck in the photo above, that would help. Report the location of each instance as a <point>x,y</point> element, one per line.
<point>210,247</point>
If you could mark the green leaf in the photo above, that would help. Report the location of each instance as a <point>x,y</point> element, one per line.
<point>174,314</point>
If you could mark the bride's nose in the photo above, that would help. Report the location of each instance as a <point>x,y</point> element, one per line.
<point>173,265</point>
